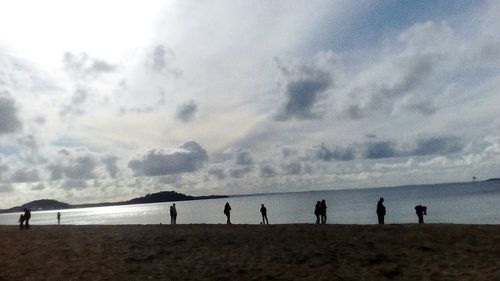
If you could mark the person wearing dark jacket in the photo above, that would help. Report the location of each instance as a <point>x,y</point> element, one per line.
<point>227,212</point>
<point>263,211</point>
<point>381,211</point>
<point>317,211</point>
<point>27,216</point>
<point>421,211</point>
<point>323,212</point>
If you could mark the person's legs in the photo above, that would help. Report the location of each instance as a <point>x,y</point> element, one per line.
<point>317,219</point>
<point>228,218</point>
<point>175,219</point>
<point>420,219</point>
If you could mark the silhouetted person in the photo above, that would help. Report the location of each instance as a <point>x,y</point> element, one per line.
<point>263,211</point>
<point>380,211</point>
<point>317,211</point>
<point>27,216</point>
<point>227,212</point>
<point>58,217</point>
<point>421,211</point>
<point>173,214</point>
<point>323,212</point>
<point>21,221</point>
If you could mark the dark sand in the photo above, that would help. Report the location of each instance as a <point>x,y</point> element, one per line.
<point>250,252</point>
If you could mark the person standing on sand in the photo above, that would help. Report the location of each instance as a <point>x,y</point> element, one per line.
<point>21,221</point>
<point>173,214</point>
<point>380,211</point>
<point>58,217</point>
<point>421,211</point>
<point>227,212</point>
<point>323,211</point>
<point>317,211</point>
<point>27,216</point>
<point>263,211</point>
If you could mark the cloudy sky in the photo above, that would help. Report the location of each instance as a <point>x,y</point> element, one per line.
<point>109,100</point>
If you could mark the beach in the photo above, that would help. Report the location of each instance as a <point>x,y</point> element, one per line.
<point>250,252</point>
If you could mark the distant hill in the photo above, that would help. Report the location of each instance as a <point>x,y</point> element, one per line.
<point>42,204</point>
<point>163,196</point>
<point>493,179</point>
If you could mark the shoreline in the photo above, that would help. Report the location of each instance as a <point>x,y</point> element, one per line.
<point>250,252</point>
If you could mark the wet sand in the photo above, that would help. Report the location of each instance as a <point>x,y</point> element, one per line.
<point>250,252</point>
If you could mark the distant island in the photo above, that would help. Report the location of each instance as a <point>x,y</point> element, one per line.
<point>493,179</point>
<point>163,196</point>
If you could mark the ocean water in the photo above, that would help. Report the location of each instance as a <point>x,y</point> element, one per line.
<point>464,203</point>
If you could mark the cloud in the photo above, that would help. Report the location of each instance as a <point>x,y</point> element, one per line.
<point>293,168</point>
<point>111,166</point>
<point>240,172</point>
<point>217,172</point>
<point>6,188</point>
<point>75,106</point>
<point>160,60</point>
<point>185,112</point>
<point>244,158</point>
<point>25,175</point>
<point>38,186</point>
<point>267,170</point>
<point>337,153</point>
<point>189,157</point>
<point>439,145</point>
<point>81,66</point>
<point>305,85</point>
<point>9,121</point>
<point>81,167</point>
<point>74,184</point>
<point>378,150</point>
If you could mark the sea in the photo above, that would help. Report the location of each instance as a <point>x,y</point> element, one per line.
<point>458,203</point>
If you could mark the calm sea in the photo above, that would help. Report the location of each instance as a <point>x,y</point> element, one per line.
<point>467,203</point>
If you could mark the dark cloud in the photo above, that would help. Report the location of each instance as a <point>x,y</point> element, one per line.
<point>188,158</point>
<point>25,175</point>
<point>217,172</point>
<point>337,153</point>
<point>82,167</point>
<point>9,121</point>
<point>82,65</point>
<point>160,60</point>
<point>240,172</point>
<point>267,170</point>
<point>74,184</point>
<point>378,150</point>
<point>293,168</point>
<point>287,152</point>
<point>38,186</point>
<point>185,112</point>
<point>111,166</point>
<point>439,145</point>
<point>244,158</point>
<point>302,95</point>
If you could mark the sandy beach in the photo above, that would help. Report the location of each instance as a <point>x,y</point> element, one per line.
<point>250,252</point>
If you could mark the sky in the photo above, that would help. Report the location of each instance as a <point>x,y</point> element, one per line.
<point>103,101</point>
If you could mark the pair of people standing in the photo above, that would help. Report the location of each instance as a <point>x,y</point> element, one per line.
<point>320,212</point>
<point>263,211</point>
<point>173,214</point>
<point>24,219</point>
<point>419,209</point>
